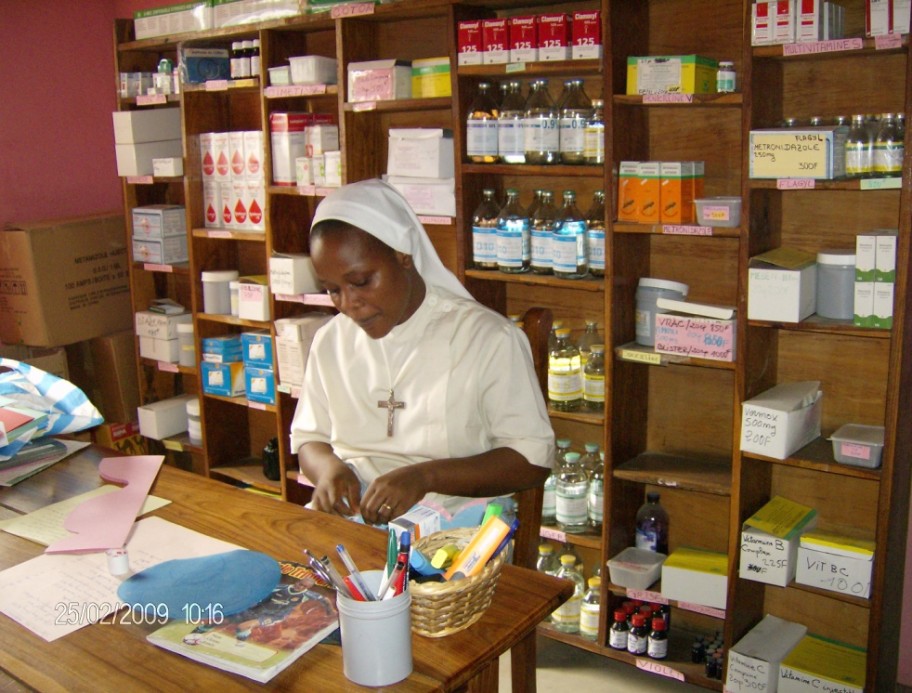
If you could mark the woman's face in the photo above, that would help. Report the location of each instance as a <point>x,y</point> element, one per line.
<point>368,281</point>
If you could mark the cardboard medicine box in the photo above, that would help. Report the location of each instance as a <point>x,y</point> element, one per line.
<point>554,36</point>
<point>753,662</point>
<point>292,342</point>
<point>261,384</point>
<point>292,274</point>
<point>379,80</point>
<point>470,50</point>
<point>769,541</point>
<point>163,350</point>
<point>164,418</point>
<point>697,576</point>
<point>586,35</point>
<point>495,40</point>
<point>159,325</point>
<point>671,74</point>
<point>836,563</point>
<point>523,32</point>
<point>782,286</point>
<point>64,281</point>
<point>257,349</point>
<point>137,159</point>
<point>781,420</point>
<point>151,125</point>
<point>160,251</point>
<point>253,298</point>
<point>226,379</point>
<point>431,78</point>
<point>820,664</point>
<point>420,153</point>
<point>431,196</point>
<point>816,152</point>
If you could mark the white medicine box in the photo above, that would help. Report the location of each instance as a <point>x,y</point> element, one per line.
<point>293,274</point>
<point>164,418</point>
<point>836,563</point>
<point>153,125</point>
<point>782,286</point>
<point>753,663</point>
<point>696,576</point>
<point>770,539</point>
<point>420,153</point>
<point>253,298</point>
<point>781,420</point>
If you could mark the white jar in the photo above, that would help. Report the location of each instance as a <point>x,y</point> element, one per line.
<point>187,349</point>
<point>836,284</point>
<point>648,292</point>
<point>235,289</point>
<point>216,291</point>
<point>194,422</point>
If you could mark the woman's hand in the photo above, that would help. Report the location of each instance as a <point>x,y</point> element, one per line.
<point>392,494</point>
<point>337,491</point>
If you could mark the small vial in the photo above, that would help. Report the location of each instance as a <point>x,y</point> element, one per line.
<point>637,638</point>
<point>725,77</point>
<point>590,609</point>
<point>617,634</point>
<point>657,642</point>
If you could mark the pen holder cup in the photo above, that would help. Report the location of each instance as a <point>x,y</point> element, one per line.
<point>376,639</point>
<point>444,608</point>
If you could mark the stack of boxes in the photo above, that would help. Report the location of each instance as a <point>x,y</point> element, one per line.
<point>141,136</point>
<point>159,234</point>
<point>543,37</point>
<point>421,167</point>
<point>875,277</point>
<point>791,21</point>
<point>234,183</point>
<point>293,339</point>
<point>887,17</point>
<point>157,332</point>
<point>259,376</point>
<point>659,192</point>
<point>290,135</point>
<point>222,368</point>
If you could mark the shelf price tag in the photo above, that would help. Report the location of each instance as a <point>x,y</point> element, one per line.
<point>880,183</point>
<point>286,91</point>
<point>364,106</point>
<point>646,596</point>
<point>352,9</point>
<point>668,98</point>
<point>151,99</point>
<point>514,67</point>
<point>686,230</point>
<point>654,667</point>
<point>552,533</point>
<point>216,233</point>
<point>217,85</point>
<point>887,41</point>
<point>795,184</point>
<point>307,190</point>
<point>168,367</point>
<point>649,357</point>
<point>702,609</point>
<point>833,46</point>
<point>150,267</point>
<point>140,180</point>
<point>437,220</point>
<point>256,405</point>
<point>174,445</point>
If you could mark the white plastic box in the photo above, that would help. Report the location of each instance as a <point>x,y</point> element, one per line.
<point>635,568</point>
<point>164,418</point>
<point>313,69</point>
<point>724,212</point>
<point>858,445</point>
<point>379,80</point>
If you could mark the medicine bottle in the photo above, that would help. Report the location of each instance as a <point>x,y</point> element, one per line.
<point>547,562</point>
<point>590,458</point>
<point>511,146</point>
<point>590,336</point>
<point>484,231</point>
<point>575,111</point>
<point>540,126</point>
<point>244,62</point>
<point>513,236</point>
<point>617,633</point>
<point>590,609</point>
<point>565,382</point>
<point>638,635</point>
<point>544,221</point>
<point>570,245</point>
<point>481,127</point>
<point>571,494</point>
<point>594,134</point>
<point>888,147</point>
<point>725,77</point>
<point>652,525</point>
<point>594,380</point>
<point>657,642</point>
<point>859,149</point>
<point>595,497</point>
<point>549,497</point>
<point>566,617</point>
<point>595,230</point>
<point>255,58</point>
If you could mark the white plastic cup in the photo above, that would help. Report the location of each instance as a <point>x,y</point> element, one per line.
<point>648,292</point>
<point>376,636</point>
<point>217,292</point>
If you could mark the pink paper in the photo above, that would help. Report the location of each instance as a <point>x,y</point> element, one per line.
<point>104,522</point>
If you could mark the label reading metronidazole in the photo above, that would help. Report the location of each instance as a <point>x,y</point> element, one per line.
<point>513,242</point>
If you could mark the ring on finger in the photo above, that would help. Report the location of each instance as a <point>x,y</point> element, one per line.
<point>389,509</point>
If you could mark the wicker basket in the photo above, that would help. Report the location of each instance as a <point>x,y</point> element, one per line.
<point>444,608</point>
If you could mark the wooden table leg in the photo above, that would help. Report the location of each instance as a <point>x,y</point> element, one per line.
<point>522,664</point>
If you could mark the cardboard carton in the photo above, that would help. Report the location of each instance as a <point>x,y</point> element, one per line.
<point>753,663</point>
<point>769,541</point>
<point>782,286</point>
<point>820,664</point>
<point>781,420</point>
<point>104,368</point>
<point>697,576</point>
<point>836,563</point>
<point>64,281</point>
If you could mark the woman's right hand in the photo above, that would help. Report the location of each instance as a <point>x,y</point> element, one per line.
<point>337,489</point>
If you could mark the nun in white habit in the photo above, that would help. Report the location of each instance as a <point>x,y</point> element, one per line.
<point>414,392</point>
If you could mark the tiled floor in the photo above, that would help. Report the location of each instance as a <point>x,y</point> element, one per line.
<point>565,668</point>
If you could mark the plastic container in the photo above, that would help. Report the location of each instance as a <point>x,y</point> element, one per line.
<point>718,211</point>
<point>194,423</point>
<point>216,291</point>
<point>836,284</point>
<point>280,76</point>
<point>636,568</point>
<point>187,349</point>
<point>313,69</point>
<point>648,292</point>
<point>858,445</point>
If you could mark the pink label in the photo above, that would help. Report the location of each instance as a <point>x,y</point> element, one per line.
<point>308,190</point>
<point>795,184</point>
<point>856,450</point>
<point>167,367</point>
<point>668,98</point>
<point>365,106</point>
<point>836,45</point>
<point>647,596</point>
<point>442,221</point>
<point>149,267</point>
<point>151,99</point>
<point>881,42</point>
<point>716,212</point>
<point>686,230</point>
<point>354,9</point>
<point>702,609</point>
<point>551,533</point>
<point>660,669</point>
<point>140,180</point>
<point>256,405</point>
<point>219,234</point>
<point>217,85</point>
<point>696,337</point>
<point>294,90</point>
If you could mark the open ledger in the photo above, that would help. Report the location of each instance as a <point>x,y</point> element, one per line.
<point>265,639</point>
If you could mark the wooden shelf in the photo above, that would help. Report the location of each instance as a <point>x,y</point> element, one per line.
<point>815,323</point>
<point>692,100</point>
<point>230,235</point>
<point>555,170</point>
<point>586,284</point>
<point>675,471</point>
<point>232,320</point>
<point>556,68</point>
<point>242,401</point>
<point>248,475</point>
<point>818,456</point>
<point>640,353</point>
<point>399,105</point>
<point>628,227</point>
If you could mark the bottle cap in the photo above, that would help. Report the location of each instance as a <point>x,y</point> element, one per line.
<point>620,615</point>
<point>638,620</point>
<point>658,623</point>
<point>568,559</point>
<point>595,581</point>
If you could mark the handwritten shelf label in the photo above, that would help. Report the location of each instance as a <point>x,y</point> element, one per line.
<point>434,220</point>
<point>881,183</point>
<point>364,106</point>
<point>696,337</point>
<point>795,184</point>
<point>174,445</point>
<point>887,41</point>
<point>140,180</point>
<point>640,356</point>
<point>834,46</point>
<point>354,9</point>
<point>151,99</point>
<point>686,230</point>
<point>646,596</point>
<point>167,367</point>
<point>306,299</point>
<point>702,609</point>
<point>217,85</point>
<point>149,267</point>
<point>256,405</point>
<point>307,190</point>
<point>322,191</point>
<point>654,667</point>
<point>668,98</point>
<point>219,234</point>
<point>285,91</point>
<point>515,67</point>
<point>552,533</point>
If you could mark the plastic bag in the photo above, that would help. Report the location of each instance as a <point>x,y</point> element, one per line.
<point>67,407</point>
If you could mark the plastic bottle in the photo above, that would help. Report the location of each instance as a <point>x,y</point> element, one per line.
<point>244,64</point>
<point>571,496</point>
<point>549,499</point>
<point>544,221</point>
<point>595,223</point>
<point>589,337</point>
<point>565,382</point>
<point>859,149</point>
<point>552,336</point>
<point>540,126</point>
<point>726,79</point>
<point>638,635</point>
<point>590,458</point>
<point>234,62</point>
<point>888,148</point>
<point>484,231</point>
<point>566,617</point>
<point>594,380</point>
<point>595,496</point>
<point>255,58</point>
<point>513,236</point>
<point>547,562</point>
<point>481,127</point>
<point>535,205</point>
<point>657,642</point>
<point>619,631</point>
<point>652,525</point>
<point>590,607</point>
<point>569,550</point>
<point>570,245</point>
<point>511,144</point>
<point>594,134</point>
<point>575,111</point>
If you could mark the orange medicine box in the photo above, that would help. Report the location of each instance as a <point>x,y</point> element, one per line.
<point>627,188</point>
<point>648,193</point>
<point>676,192</point>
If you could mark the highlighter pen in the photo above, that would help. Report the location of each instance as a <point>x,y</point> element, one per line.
<point>355,573</point>
<point>506,540</point>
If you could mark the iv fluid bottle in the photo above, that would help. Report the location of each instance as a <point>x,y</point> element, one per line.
<point>575,111</point>
<point>567,616</point>
<point>859,149</point>
<point>594,135</point>
<point>594,380</point>
<point>570,246</point>
<point>540,126</point>
<point>484,231</point>
<point>652,525</point>
<point>595,223</point>
<point>590,336</point>
<point>513,236</point>
<point>549,499</point>
<point>888,147</point>
<point>511,145</point>
<point>590,607</point>
<point>481,127</point>
<point>565,382</point>
<point>595,497</point>
<point>544,221</point>
<point>572,487</point>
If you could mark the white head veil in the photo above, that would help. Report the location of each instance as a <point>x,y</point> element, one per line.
<point>377,208</point>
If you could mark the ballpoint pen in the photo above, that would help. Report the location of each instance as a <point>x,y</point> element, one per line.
<point>355,573</point>
<point>329,574</point>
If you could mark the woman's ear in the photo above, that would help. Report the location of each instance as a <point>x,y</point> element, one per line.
<point>405,260</point>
